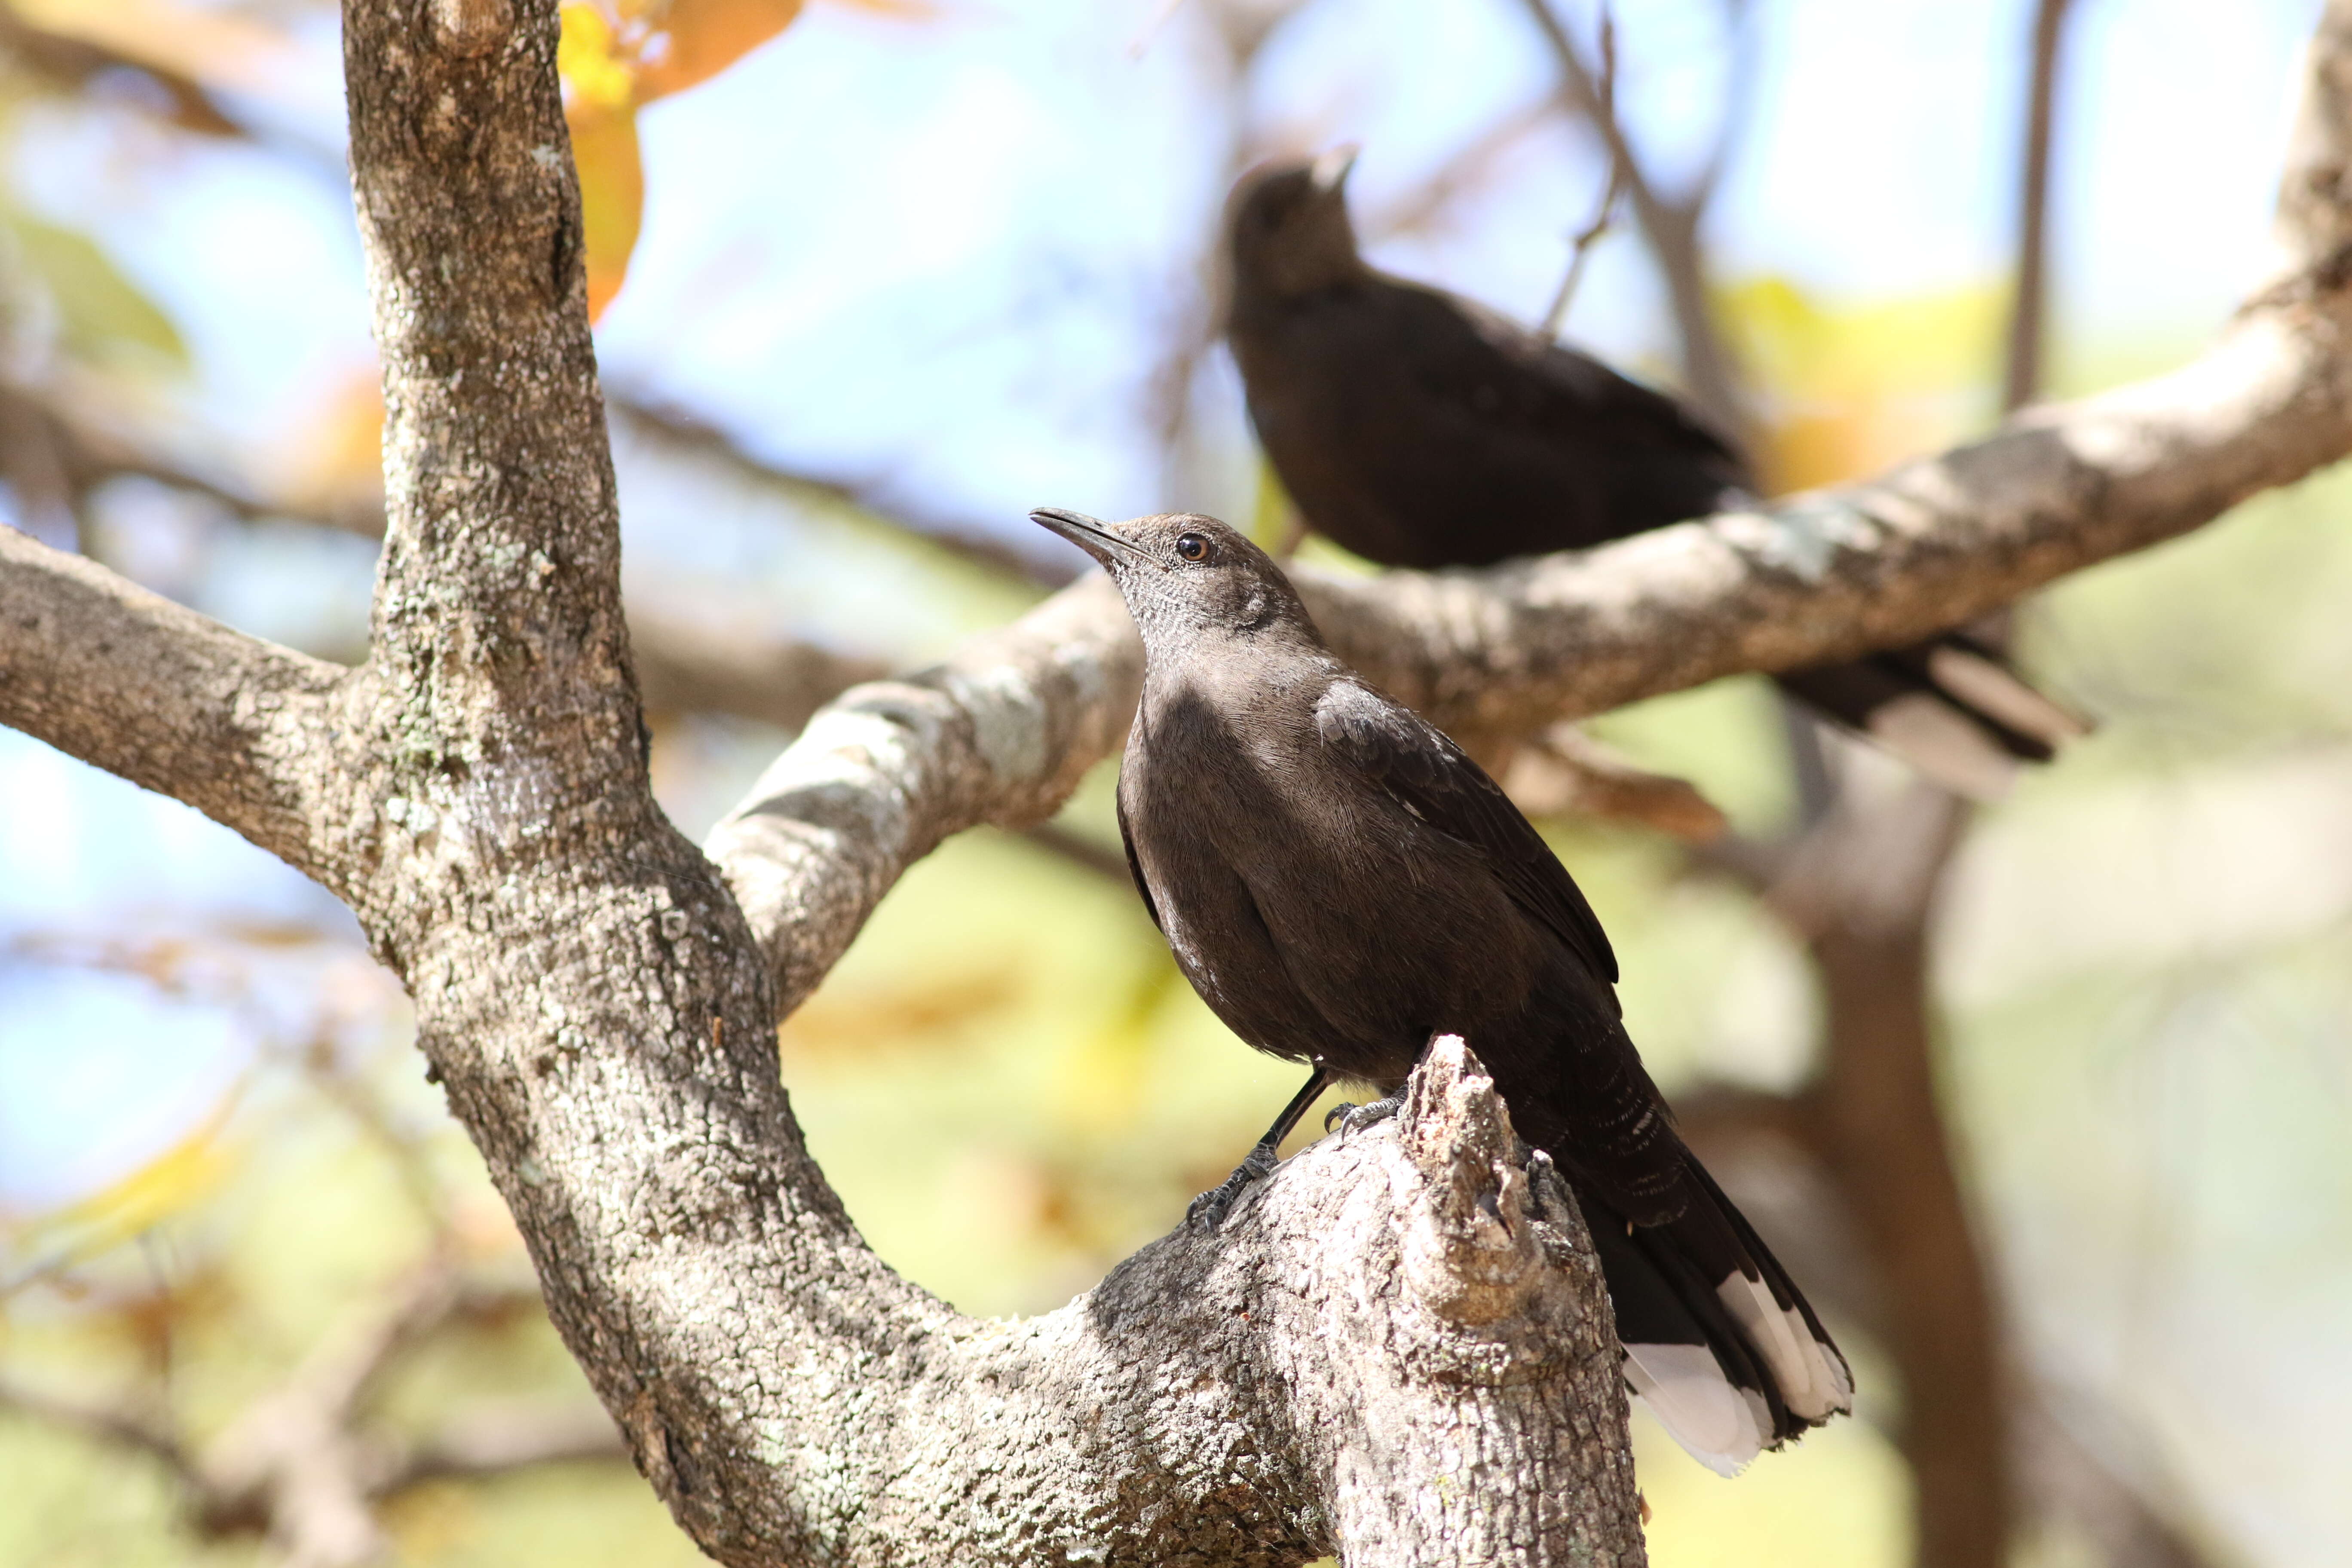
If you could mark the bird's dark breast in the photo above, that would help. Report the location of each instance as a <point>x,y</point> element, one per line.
<point>1334,929</point>
<point>1321,919</point>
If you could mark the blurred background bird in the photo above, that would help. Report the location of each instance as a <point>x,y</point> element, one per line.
<point>1419,430</point>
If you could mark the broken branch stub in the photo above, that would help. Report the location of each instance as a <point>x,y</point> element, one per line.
<point>1440,1321</point>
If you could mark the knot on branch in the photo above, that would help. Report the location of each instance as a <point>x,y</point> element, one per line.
<point>472,28</point>
<point>1470,1254</point>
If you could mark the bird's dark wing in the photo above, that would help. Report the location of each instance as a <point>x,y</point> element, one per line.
<point>1135,869</point>
<point>1511,377</point>
<point>1623,403</point>
<point>1434,780</point>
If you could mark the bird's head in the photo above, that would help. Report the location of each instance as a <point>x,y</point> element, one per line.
<point>1287,229</point>
<point>1188,581</point>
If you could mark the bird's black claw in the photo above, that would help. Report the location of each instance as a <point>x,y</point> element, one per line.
<point>1332,1117</point>
<point>1209,1210</point>
<point>1356,1118</point>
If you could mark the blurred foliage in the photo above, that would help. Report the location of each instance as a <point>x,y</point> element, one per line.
<point>102,316</point>
<point>1850,387</point>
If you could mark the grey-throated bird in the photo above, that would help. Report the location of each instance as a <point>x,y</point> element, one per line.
<point>1341,882</point>
<point>1419,430</point>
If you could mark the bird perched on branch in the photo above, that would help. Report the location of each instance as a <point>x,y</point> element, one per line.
<point>1422,430</point>
<point>1341,882</point>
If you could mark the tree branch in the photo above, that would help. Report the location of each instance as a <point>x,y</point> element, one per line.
<point>1003,731</point>
<point>1002,734</point>
<point>141,687</point>
<point>688,667</point>
<point>121,1427</point>
<point>681,435</point>
<point>496,1442</point>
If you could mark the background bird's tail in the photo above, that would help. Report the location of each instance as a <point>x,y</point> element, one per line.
<point>1720,1346</point>
<point>1951,707</point>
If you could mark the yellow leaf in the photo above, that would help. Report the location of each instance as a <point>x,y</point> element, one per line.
<point>174,1181</point>
<point>612,196</point>
<point>105,316</point>
<point>699,38</point>
<point>599,71</point>
<point>616,55</point>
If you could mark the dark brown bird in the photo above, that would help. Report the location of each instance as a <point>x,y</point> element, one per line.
<point>1339,882</point>
<point>1418,429</point>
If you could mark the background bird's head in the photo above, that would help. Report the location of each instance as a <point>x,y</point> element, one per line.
<point>1190,581</point>
<point>1287,229</point>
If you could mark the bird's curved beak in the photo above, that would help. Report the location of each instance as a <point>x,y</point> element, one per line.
<point>1329,172</point>
<point>1091,534</point>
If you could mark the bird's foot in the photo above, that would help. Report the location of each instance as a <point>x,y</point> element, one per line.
<point>1209,1210</point>
<point>1356,1118</point>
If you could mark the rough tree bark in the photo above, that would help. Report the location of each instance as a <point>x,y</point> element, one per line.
<point>1397,1349</point>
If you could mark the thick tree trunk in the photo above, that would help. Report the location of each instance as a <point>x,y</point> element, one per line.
<point>1879,1125</point>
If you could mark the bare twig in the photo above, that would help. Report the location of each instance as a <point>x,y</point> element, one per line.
<point>1461,171</point>
<point>682,435</point>
<point>300,1463</point>
<point>1077,849</point>
<point>1196,318</point>
<point>1669,224</point>
<point>685,663</point>
<point>2022,374</point>
<point>2137,1521</point>
<point>498,1441</point>
<point>122,1427</point>
<point>1565,770</point>
<point>1580,245</point>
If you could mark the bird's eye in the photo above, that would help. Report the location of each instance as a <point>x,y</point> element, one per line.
<point>1192,547</point>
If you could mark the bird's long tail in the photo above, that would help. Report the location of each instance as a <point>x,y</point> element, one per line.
<point>1720,1346</point>
<point>1951,707</point>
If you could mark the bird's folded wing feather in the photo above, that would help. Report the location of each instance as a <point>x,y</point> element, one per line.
<point>1135,869</point>
<point>1433,778</point>
<point>1482,359</point>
